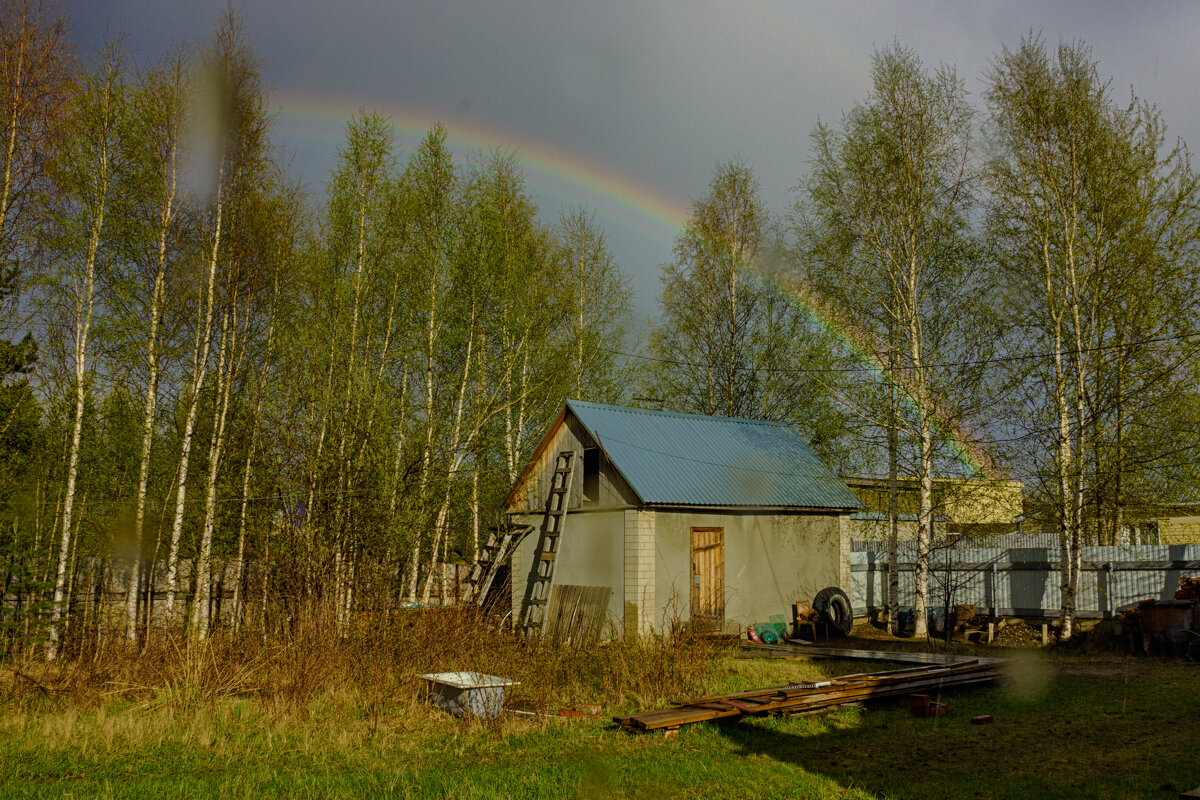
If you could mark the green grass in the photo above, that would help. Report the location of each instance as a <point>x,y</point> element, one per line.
<point>1066,726</point>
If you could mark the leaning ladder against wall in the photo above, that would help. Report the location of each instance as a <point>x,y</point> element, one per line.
<point>501,543</point>
<point>541,574</point>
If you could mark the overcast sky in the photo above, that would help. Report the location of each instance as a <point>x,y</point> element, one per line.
<point>626,107</point>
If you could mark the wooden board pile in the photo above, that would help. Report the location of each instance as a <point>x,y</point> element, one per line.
<point>821,694</point>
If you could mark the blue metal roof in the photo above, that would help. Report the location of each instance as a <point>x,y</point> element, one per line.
<point>696,460</point>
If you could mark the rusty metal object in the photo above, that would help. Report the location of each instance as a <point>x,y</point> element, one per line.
<point>1189,589</point>
<point>1165,625</point>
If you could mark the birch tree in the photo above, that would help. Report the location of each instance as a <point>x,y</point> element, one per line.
<point>87,171</point>
<point>35,68</point>
<point>244,253</point>
<point>154,214</point>
<point>231,103</point>
<point>702,346</point>
<point>1043,177</point>
<point>884,219</point>
<point>434,186</point>
<point>1084,203</point>
<point>599,307</point>
<point>367,289</point>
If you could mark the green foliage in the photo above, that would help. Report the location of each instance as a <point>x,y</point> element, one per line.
<point>376,373</point>
<point>727,341</point>
<point>711,308</point>
<point>426,343</point>
<point>1094,219</point>
<point>887,253</point>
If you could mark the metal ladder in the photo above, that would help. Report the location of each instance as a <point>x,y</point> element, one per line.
<point>500,545</point>
<point>541,574</point>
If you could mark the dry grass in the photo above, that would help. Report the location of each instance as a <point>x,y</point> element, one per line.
<point>310,702</point>
<point>376,663</point>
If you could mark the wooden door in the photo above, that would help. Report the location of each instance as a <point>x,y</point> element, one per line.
<point>708,577</point>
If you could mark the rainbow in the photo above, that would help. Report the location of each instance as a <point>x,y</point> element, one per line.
<point>569,176</point>
<point>556,171</point>
<point>977,461</point>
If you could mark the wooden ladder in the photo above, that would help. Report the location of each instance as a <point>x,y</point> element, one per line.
<point>541,574</point>
<point>500,545</point>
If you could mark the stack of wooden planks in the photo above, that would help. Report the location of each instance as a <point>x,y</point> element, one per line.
<point>923,679</point>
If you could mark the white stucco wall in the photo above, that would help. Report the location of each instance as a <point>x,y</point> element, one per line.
<point>591,553</point>
<point>771,561</point>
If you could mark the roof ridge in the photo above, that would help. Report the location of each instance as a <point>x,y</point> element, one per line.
<point>680,414</point>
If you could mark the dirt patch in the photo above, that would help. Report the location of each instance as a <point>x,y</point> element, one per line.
<point>1018,633</point>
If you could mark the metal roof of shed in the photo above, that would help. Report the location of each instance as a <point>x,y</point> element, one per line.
<point>696,460</point>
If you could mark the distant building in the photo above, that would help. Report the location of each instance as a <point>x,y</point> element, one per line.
<point>720,522</point>
<point>960,506</point>
<point>1178,529</point>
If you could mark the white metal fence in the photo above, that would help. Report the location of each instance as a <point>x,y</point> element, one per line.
<point>1024,582</point>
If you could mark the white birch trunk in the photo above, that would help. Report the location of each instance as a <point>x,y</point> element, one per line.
<point>1062,449</point>
<point>924,526</point>
<point>199,370</point>
<point>457,449</point>
<point>340,516</point>
<point>239,598</point>
<point>427,455</point>
<point>475,512</point>
<point>240,565</point>
<point>226,369</point>
<point>893,500</point>
<point>165,220</point>
<point>13,122</point>
<point>83,321</point>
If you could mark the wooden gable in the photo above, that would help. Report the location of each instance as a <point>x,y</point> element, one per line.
<point>532,487</point>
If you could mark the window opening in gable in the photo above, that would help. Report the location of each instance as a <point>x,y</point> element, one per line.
<point>591,474</point>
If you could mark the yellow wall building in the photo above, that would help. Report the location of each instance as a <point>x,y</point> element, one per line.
<point>959,506</point>
<point>1179,530</point>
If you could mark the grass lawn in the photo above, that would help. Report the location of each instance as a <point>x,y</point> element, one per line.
<point>1066,725</point>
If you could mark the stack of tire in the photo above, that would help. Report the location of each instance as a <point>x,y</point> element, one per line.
<point>834,607</point>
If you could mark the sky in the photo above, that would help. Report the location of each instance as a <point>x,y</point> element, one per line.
<point>626,107</point>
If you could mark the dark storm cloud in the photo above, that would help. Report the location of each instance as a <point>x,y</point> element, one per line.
<point>657,92</point>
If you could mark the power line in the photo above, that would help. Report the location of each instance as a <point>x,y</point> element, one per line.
<point>904,368</point>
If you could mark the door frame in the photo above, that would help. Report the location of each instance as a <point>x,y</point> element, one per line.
<point>710,615</point>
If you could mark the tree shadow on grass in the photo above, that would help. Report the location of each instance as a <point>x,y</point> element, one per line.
<point>1035,749</point>
<point>862,757</point>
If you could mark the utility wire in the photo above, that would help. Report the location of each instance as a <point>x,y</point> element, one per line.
<point>901,368</point>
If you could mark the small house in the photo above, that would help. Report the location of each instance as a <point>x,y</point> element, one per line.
<point>718,521</point>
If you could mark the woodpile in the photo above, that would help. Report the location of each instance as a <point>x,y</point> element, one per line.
<point>926,679</point>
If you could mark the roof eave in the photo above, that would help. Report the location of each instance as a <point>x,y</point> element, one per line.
<point>561,419</point>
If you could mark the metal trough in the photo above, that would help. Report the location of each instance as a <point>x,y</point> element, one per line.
<point>468,694</point>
